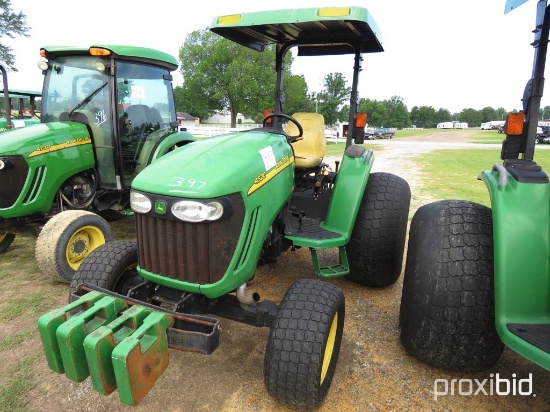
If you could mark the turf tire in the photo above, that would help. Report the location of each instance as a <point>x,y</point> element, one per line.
<point>66,239</point>
<point>447,305</point>
<point>375,250</point>
<point>304,343</point>
<point>110,266</point>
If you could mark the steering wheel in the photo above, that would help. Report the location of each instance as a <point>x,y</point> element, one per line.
<point>289,118</point>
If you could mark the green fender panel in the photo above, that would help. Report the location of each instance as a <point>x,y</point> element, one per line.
<point>521,225</point>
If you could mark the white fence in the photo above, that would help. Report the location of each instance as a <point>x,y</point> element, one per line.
<point>209,131</point>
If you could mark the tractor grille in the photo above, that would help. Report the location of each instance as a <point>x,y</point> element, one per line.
<point>191,252</point>
<point>12,179</point>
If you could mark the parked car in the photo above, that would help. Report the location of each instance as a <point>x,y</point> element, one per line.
<point>383,133</point>
<point>543,134</point>
<point>369,133</point>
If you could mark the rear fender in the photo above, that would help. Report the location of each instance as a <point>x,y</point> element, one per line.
<point>156,147</point>
<point>167,144</point>
<point>349,188</point>
<point>521,235</point>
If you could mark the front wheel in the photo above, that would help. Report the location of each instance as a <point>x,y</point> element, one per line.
<point>375,250</point>
<point>304,343</point>
<point>67,238</point>
<point>447,314</point>
<point>111,266</point>
<point>6,240</point>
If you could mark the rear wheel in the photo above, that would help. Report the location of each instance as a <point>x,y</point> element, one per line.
<point>67,239</point>
<point>447,305</point>
<point>6,240</point>
<point>375,250</point>
<point>111,266</point>
<point>304,343</point>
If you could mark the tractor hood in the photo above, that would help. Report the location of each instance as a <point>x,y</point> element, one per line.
<point>36,160</point>
<point>234,163</point>
<point>36,140</point>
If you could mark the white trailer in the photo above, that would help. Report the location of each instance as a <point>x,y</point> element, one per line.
<point>445,125</point>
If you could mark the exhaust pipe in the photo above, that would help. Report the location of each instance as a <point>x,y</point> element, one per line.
<point>244,298</point>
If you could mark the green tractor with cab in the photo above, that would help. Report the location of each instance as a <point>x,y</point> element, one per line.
<point>477,278</point>
<point>23,117</point>
<point>209,213</point>
<point>107,112</point>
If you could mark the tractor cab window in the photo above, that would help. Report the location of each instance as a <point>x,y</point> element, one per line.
<point>145,110</point>
<point>74,84</point>
<point>76,89</point>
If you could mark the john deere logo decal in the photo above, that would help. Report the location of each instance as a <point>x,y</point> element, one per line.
<point>160,207</point>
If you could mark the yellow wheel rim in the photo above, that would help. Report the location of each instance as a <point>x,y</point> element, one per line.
<point>329,348</point>
<point>2,237</point>
<point>81,243</point>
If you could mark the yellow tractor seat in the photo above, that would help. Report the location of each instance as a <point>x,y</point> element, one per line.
<point>309,151</point>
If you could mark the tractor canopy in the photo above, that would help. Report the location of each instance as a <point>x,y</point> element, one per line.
<point>316,31</point>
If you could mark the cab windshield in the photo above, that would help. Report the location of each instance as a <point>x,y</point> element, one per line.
<point>74,83</point>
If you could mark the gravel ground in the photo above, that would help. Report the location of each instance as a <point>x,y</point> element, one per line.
<point>373,374</point>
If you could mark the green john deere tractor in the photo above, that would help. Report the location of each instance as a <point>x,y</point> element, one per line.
<point>477,278</point>
<point>107,112</point>
<point>23,117</point>
<point>209,213</point>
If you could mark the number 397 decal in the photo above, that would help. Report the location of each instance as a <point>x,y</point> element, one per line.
<point>186,185</point>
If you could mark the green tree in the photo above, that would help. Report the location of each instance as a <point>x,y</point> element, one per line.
<point>332,97</point>
<point>311,103</point>
<point>502,113</point>
<point>297,100</point>
<point>220,74</point>
<point>470,116</point>
<point>343,113</point>
<point>488,114</point>
<point>397,113</point>
<point>375,110</point>
<point>442,115</point>
<point>12,24</point>
<point>544,113</point>
<point>423,117</point>
<point>185,101</point>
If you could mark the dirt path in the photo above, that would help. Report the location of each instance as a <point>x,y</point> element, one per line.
<point>373,373</point>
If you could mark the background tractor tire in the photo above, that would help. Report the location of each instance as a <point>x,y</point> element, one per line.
<point>67,238</point>
<point>447,304</point>
<point>5,241</point>
<point>304,343</point>
<point>111,266</point>
<point>375,250</point>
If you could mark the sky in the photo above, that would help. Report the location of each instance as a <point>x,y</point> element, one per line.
<point>450,54</point>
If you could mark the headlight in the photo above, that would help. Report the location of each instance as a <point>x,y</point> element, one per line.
<point>6,164</point>
<point>140,203</point>
<point>192,211</point>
